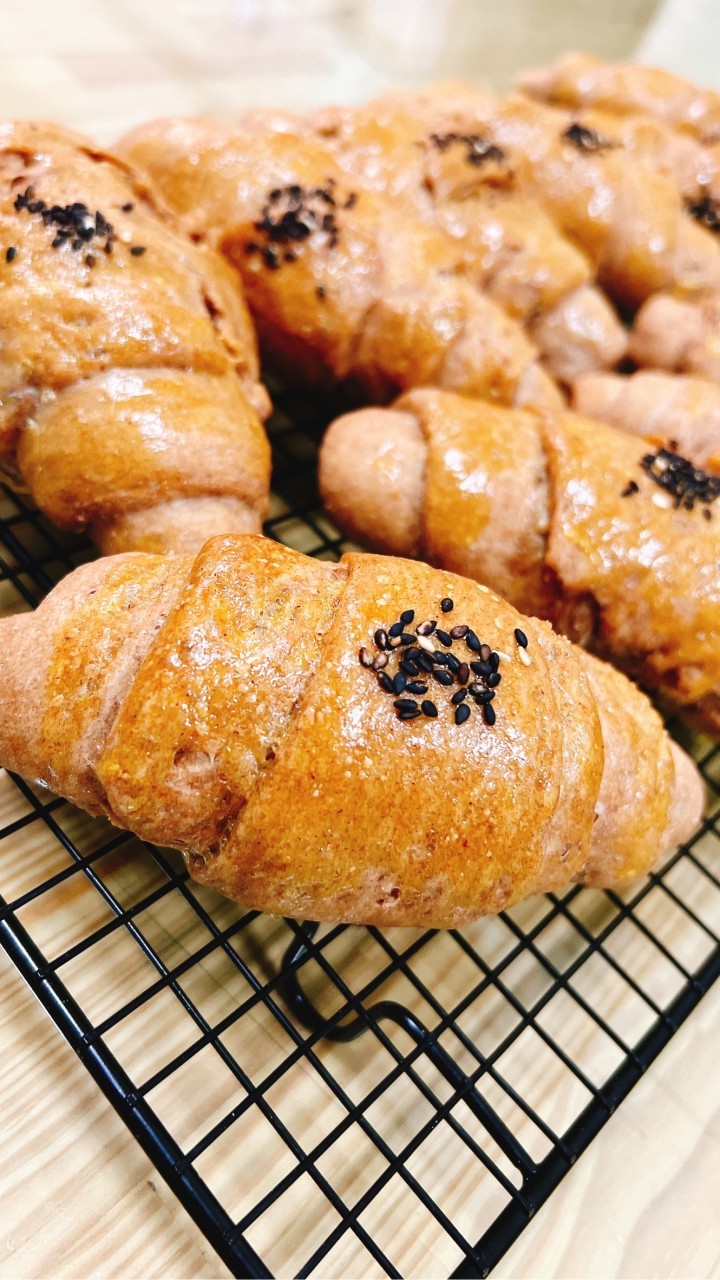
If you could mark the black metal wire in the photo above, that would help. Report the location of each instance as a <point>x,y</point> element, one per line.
<point>290,976</point>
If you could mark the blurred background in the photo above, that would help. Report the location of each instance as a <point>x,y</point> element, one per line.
<point>104,66</point>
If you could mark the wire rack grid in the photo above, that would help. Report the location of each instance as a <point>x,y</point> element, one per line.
<point>337,1101</point>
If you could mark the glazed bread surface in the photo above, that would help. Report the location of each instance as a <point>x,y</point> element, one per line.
<point>568,518</point>
<point>232,705</point>
<point>129,392</point>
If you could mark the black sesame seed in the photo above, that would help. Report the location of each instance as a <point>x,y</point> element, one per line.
<point>443,677</point>
<point>443,637</point>
<point>482,696</point>
<point>407,638</point>
<point>521,638</point>
<point>365,657</point>
<point>412,655</point>
<point>440,659</point>
<point>77,244</point>
<point>410,668</point>
<point>459,632</point>
<point>11,253</point>
<point>385,683</point>
<point>447,605</point>
<point>407,617</point>
<point>399,682</point>
<point>410,715</point>
<point>380,661</point>
<point>416,686</point>
<point>485,652</point>
<point>481,668</point>
<point>395,630</point>
<point>463,673</point>
<point>494,660</point>
<point>425,662</point>
<point>137,250</point>
<point>494,680</point>
<point>55,244</point>
<point>429,709</point>
<point>426,628</point>
<point>127,207</point>
<point>462,713</point>
<point>405,704</point>
<point>453,663</point>
<point>472,642</point>
<point>380,638</point>
<point>459,697</point>
<point>489,714</point>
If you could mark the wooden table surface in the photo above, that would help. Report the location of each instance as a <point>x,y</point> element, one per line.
<point>77,1195</point>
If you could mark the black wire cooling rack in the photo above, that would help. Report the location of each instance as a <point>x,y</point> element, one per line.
<point>339,1101</point>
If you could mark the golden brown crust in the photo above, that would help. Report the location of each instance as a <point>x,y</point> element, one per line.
<point>476,464</point>
<point>662,407</point>
<point>633,817</point>
<point>278,764</point>
<point>651,571</point>
<point>114,340</point>
<point>510,247</point>
<point>544,510</point>
<point>367,294</point>
<point>583,80</point>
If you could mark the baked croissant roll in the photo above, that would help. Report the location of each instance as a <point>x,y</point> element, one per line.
<point>129,393</point>
<point>679,334</point>
<point>566,518</point>
<point>678,412</point>
<point>373,742</point>
<point>583,80</point>
<point>629,219</point>
<point>693,166</point>
<point>510,247</point>
<point>344,285</point>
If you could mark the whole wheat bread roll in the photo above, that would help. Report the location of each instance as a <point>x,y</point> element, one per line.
<point>232,705</point>
<point>345,285</point>
<point>675,410</point>
<point>568,518</point>
<point>129,392</point>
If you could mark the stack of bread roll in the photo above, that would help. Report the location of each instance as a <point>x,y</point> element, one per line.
<point>518,297</point>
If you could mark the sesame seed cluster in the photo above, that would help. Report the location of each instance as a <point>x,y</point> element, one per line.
<point>406,662</point>
<point>478,149</point>
<point>683,484</point>
<point>74,224</point>
<point>293,213</point>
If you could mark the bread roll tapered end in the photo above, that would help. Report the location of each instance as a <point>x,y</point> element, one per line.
<point>372,467</point>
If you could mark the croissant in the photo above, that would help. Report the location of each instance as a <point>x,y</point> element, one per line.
<point>629,219</point>
<point>319,745</point>
<point>344,285</point>
<point>673,410</point>
<point>511,248</point>
<point>567,518</point>
<point>129,393</point>
<point>582,80</point>
<point>693,166</point>
<point>679,334</point>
